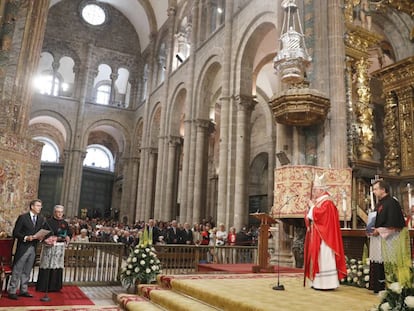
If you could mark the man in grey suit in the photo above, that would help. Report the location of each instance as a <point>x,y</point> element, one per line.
<point>24,230</point>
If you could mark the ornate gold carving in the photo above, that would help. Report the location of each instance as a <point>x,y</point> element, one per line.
<point>397,76</point>
<point>405,102</point>
<point>300,106</point>
<point>364,111</point>
<point>391,136</point>
<point>358,40</point>
<point>398,82</point>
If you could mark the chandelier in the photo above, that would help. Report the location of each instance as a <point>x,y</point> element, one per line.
<point>292,59</point>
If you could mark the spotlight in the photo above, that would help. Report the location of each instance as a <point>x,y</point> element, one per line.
<point>179,58</point>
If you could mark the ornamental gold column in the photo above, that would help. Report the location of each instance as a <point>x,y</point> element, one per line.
<point>22,29</point>
<point>398,84</point>
<point>357,42</point>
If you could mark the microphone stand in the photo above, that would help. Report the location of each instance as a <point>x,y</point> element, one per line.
<point>281,286</point>
<point>46,297</point>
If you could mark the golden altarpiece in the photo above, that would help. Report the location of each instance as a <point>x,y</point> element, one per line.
<point>379,93</point>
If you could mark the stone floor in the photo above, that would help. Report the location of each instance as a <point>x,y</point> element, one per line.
<point>102,295</point>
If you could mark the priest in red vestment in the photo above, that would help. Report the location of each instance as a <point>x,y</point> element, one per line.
<point>324,252</point>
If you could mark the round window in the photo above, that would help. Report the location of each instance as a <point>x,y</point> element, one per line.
<point>93,14</point>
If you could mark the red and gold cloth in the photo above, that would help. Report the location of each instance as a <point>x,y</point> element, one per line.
<point>293,186</point>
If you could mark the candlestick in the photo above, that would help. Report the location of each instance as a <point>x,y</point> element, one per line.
<point>344,206</point>
<point>371,194</point>
<point>409,203</point>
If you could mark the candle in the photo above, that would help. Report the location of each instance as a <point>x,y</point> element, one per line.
<point>409,197</point>
<point>371,193</point>
<point>344,201</point>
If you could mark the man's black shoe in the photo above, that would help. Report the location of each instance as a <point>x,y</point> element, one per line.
<point>26,294</point>
<point>13,296</point>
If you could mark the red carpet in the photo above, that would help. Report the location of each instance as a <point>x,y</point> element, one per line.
<point>68,296</point>
<point>239,268</point>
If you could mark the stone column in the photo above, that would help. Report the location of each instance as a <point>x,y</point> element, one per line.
<point>21,29</point>
<point>72,180</point>
<point>55,67</point>
<point>113,77</point>
<point>142,185</point>
<point>184,193</point>
<point>134,98</point>
<point>72,174</point>
<point>222,208</point>
<point>143,165</point>
<point>200,175</point>
<point>167,212</point>
<point>161,171</point>
<point>245,107</point>
<point>163,141</point>
<point>209,11</point>
<point>130,173</point>
<point>336,73</point>
<point>151,182</point>
<point>191,172</point>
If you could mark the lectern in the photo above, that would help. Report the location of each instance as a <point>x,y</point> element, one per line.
<point>263,253</point>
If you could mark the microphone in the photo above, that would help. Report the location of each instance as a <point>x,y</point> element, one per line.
<point>281,286</point>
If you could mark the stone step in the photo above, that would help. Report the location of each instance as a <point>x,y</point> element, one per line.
<point>175,301</point>
<point>133,302</point>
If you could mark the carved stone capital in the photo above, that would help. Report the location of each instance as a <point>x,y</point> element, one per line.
<point>245,102</point>
<point>175,140</point>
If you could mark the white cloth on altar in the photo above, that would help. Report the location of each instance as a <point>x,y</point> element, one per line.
<point>53,256</point>
<point>327,278</point>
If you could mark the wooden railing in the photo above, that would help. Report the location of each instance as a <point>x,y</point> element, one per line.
<point>92,263</point>
<point>185,258</point>
<point>98,263</point>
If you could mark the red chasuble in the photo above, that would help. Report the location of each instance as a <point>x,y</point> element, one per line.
<point>325,226</point>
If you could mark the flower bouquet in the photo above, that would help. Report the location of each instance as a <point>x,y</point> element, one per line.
<point>357,273</point>
<point>142,264</point>
<point>396,297</point>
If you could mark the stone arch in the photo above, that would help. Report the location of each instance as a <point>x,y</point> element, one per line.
<point>208,86</point>
<point>57,121</point>
<point>248,50</point>
<point>175,114</point>
<point>112,128</point>
<point>51,128</point>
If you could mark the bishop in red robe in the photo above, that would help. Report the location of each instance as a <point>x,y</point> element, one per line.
<point>325,262</point>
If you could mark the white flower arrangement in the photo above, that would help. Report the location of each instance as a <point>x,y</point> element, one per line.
<point>396,298</point>
<point>357,273</point>
<point>142,265</point>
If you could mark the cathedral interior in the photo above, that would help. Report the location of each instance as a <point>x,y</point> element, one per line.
<point>191,109</point>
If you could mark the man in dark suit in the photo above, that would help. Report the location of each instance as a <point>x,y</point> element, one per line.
<point>153,232</point>
<point>24,230</point>
<point>173,233</point>
<point>186,235</point>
